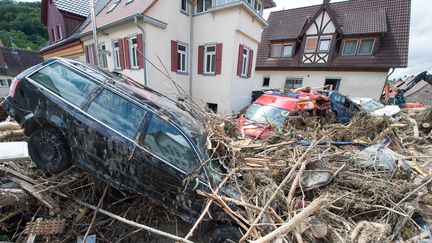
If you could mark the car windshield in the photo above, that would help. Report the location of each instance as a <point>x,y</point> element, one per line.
<point>371,105</point>
<point>214,167</point>
<point>266,114</point>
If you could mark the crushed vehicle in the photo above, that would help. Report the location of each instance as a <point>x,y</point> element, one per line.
<point>271,108</point>
<point>344,108</point>
<point>119,131</point>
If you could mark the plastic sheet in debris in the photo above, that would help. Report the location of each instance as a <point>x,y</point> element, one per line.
<point>380,157</point>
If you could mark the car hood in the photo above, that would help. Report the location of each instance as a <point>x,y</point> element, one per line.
<point>252,129</point>
<point>389,110</point>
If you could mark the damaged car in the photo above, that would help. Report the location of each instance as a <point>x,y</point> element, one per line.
<point>119,131</point>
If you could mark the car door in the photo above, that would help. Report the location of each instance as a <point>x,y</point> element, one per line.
<point>105,132</point>
<point>339,107</point>
<point>171,157</point>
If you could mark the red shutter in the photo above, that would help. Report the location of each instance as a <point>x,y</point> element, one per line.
<point>218,67</point>
<point>94,55</point>
<point>240,60</point>
<point>174,61</point>
<point>140,51</point>
<point>200,59</point>
<point>121,52</point>
<point>126,52</point>
<point>251,56</point>
<point>87,54</point>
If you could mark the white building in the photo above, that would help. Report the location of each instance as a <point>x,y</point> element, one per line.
<point>208,47</point>
<point>351,45</point>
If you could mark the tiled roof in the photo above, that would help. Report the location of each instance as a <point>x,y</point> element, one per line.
<point>365,22</point>
<point>78,7</point>
<point>13,61</point>
<point>121,11</point>
<point>355,17</point>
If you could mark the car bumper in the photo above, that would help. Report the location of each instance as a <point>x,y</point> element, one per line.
<point>12,109</point>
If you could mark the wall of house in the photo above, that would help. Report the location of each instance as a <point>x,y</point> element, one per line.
<point>54,18</point>
<point>354,84</point>
<point>227,90</point>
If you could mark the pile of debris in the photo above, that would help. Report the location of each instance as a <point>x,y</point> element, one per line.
<point>366,181</point>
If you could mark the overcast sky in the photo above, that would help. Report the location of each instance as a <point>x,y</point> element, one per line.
<point>420,50</point>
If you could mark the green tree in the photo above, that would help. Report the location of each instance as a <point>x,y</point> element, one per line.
<point>20,25</point>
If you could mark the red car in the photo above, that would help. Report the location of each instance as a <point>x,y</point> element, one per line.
<point>271,109</point>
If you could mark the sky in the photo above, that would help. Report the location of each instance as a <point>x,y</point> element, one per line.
<point>420,53</point>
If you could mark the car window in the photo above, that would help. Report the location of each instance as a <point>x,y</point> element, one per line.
<point>117,113</point>
<point>166,141</point>
<point>65,82</point>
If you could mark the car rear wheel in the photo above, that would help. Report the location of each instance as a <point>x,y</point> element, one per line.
<point>48,150</point>
<point>226,233</point>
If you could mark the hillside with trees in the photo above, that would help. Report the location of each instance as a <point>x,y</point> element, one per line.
<point>20,25</point>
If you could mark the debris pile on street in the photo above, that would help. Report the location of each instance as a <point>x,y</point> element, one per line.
<point>366,181</point>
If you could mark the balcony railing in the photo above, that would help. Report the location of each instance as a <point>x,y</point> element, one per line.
<point>206,5</point>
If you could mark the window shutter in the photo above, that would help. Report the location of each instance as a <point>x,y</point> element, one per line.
<point>87,54</point>
<point>218,68</point>
<point>126,52</point>
<point>200,59</point>
<point>240,60</point>
<point>174,62</point>
<point>140,51</point>
<point>251,56</point>
<point>121,54</point>
<point>94,54</point>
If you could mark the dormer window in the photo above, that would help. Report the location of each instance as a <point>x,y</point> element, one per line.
<point>324,44</point>
<point>113,6</point>
<point>311,44</point>
<point>366,46</point>
<point>358,47</point>
<point>283,50</point>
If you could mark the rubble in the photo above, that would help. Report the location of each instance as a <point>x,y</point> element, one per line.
<point>305,182</point>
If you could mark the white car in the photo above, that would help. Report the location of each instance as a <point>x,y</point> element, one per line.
<point>376,108</point>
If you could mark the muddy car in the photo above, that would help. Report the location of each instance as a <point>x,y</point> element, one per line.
<point>123,133</point>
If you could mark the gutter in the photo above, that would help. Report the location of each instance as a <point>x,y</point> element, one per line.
<point>191,46</point>
<point>143,33</point>
<point>236,4</point>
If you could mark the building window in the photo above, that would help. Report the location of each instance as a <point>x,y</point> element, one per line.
<point>59,32</point>
<point>133,49</point>
<point>116,55</point>
<point>113,6</point>
<point>203,5</point>
<point>181,58</point>
<point>293,83</point>
<point>9,81</point>
<point>276,50</point>
<point>3,83</point>
<point>266,82</point>
<point>350,48</point>
<point>324,44</point>
<point>89,54</point>
<point>366,46</point>
<point>183,6</point>
<point>311,44</point>
<point>213,107</point>
<point>245,65</point>
<point>53,35</point>
<point>209,59</point>
<point>103,62</point>
<point>287,50</point>
<point>334,83</point>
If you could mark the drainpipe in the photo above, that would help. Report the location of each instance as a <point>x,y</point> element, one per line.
<point>190,46</point>
<point>143,48</point>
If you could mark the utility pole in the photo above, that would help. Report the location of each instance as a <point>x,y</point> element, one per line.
<point>95,41</point>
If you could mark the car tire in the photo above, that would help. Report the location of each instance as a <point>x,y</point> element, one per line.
<point>226,233</point>
<point>48,150</point>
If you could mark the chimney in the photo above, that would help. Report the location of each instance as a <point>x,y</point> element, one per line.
<point>326,1</point>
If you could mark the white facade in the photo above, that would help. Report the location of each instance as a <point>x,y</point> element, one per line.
<point>353,84</point>
<point>4,84</point>
<point>231,25</point>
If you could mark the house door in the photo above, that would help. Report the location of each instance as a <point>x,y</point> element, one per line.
<point>333,82</point>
